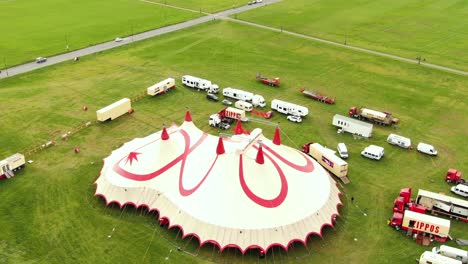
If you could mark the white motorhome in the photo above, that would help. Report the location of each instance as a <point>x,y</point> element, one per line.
<point>246,106</point>
<point>460,189</point>
<point>451,252</point>
<point>399,141</point>
<point>432,258</point>
<point>114,110</point>
<point>289,108</point>
<point>427,149</point>
<point>201,84</point>
<point>373,152</point>
<point>255,99</point>
<point>161,87</point>
<point>353,126</point>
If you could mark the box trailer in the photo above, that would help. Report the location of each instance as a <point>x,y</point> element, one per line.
<point>328,160</point>
<point>432,258</point>
<point>414,222</point>
<point>114,110</point>
<point>161,87</point>
<point>353,126</point>
<point>442,204</point>
<point>11,164</point>
<point>451,252</point>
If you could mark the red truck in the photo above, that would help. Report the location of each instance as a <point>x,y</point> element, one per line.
<point>454,176</point>
<point>271,82</point>
<point>378,117</point>
<point>318,97</point>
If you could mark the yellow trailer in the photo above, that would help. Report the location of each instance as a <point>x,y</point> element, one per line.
<point>328,160</point>
<point>114,110</point>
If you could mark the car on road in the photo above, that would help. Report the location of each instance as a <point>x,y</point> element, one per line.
<point>212,97</point>
<point>118,39</point>
<point>294,118</point>
<point>41,60</point>
<point>227,102</point>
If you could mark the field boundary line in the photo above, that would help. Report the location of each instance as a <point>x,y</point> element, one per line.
<point>176,7</point>
<point>351,47</point>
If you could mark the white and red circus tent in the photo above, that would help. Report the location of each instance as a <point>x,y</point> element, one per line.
<point>244,191</point>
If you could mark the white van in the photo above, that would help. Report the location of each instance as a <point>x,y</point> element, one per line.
<point>244,106</point>
<point>399,141</point>
<point>373,152</point>
<point>427,149</point>
<point>342,150</point>
<point>460,189</point>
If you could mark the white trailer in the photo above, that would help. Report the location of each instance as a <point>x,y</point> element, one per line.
<point>161,87</point>
<point>255,99</point>
<point>432,258</point>
<point>451,252</point>
<point>114,110</point>
<point>443,204</point>
<point>353,126</point>
<point>11,164</point>
<point>398,140</point>
<point>289,108</point>
<point>200,84</point>
<point>327,158</point>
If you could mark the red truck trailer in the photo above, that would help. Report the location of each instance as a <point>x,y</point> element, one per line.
<point>317,96</point>
<point>271,82</point>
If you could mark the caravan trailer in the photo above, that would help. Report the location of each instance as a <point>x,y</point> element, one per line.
<point>289,108</point>
<point>200,84</point>
<point>399,141</point>
<point>353,126</point>
<point>161,87</point>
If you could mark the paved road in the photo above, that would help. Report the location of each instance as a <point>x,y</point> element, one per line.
<point>221,15</point>
<point>435,66</point>
<point>112,44</point>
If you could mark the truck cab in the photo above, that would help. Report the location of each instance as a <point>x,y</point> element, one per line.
<point>454,176</point>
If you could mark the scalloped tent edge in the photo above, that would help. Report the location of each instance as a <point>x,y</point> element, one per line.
<point>221,249</point>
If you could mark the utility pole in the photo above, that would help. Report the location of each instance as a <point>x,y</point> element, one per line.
<point>66,40</point>
<point>4,64</point>
<point>346,38</point>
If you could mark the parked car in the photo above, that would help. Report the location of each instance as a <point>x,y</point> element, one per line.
<point>342,150</point>
<point>41,60</point>
<point>212,97</point>
<point>294,118</point>
<point>227,102</point>
<point>224,126</point>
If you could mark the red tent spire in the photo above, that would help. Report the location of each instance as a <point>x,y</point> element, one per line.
<point>277,138</point>
<point>260,159</point>
<point>188,117</point>
<point>164,135</point>
<point>220,148</point>
<point>238,129</point>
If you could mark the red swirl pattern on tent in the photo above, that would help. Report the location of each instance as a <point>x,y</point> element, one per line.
<point>205,184</point>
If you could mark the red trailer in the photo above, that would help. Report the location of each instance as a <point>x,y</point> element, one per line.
<point>271,82</point>
<point>318,97</point>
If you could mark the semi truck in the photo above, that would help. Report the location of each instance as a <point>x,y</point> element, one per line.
<point>451,252</point>
<point>271,82</point>
<point>454,176</point>
<point>114,110</point>
<point>432,203</point>
<point>200,84</point>
<point>318,97</point>
<point>10,165</point>
<point>227,116</point>
<point>161,87</point>
<point>254,99</point>
<point>366,114</point>
<point>289,108</point>
<point>414,222</point>
<point>353,126</point>
<point>327,158</point>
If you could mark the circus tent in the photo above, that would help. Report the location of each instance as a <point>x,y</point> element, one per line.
<point>244,191</point>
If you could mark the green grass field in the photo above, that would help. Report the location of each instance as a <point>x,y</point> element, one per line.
<point>435,30</point>
<point>48,213</point>
<point>41,28</point>
<point>209,6</point>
